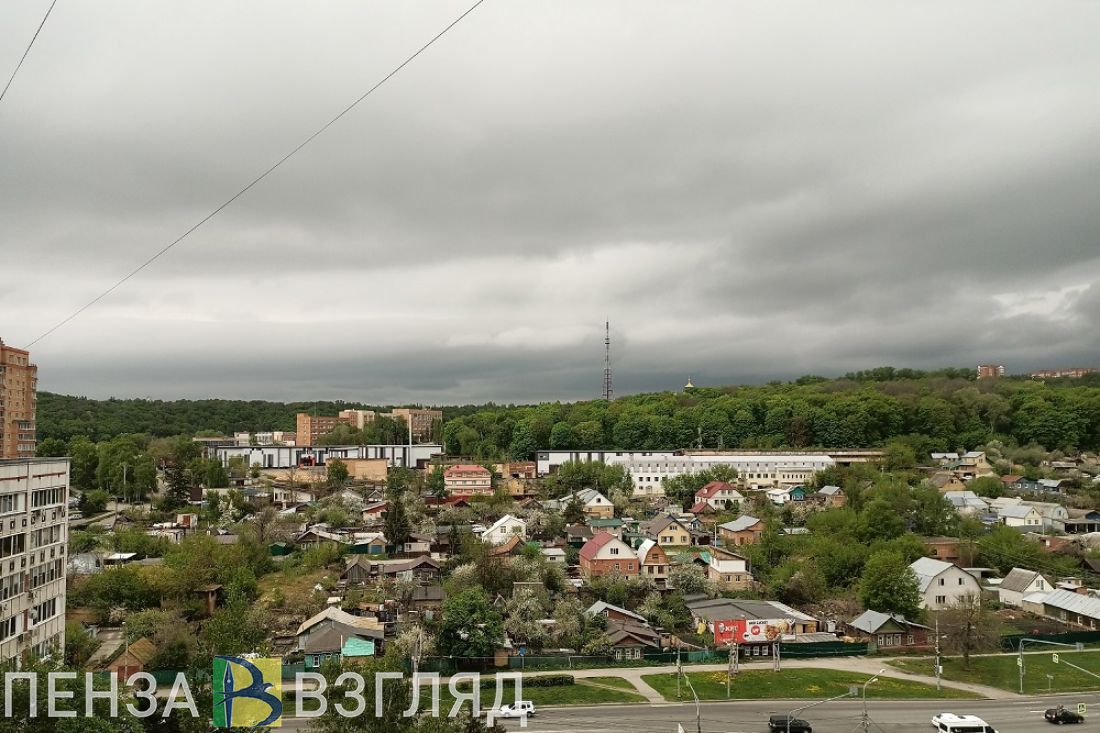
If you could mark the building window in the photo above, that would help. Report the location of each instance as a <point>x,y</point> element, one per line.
<point>941,600</point>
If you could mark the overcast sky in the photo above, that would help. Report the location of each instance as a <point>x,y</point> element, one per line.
<point>748,190</point>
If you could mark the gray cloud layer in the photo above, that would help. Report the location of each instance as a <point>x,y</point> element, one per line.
<point>748,190</point>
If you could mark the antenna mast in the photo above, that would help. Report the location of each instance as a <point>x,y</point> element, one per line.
<point>607,390</point>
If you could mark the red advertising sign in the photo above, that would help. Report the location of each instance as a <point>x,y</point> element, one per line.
<point>744,631</point>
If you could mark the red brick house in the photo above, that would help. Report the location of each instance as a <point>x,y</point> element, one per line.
<point>604,554</point>
<point>468,480</point>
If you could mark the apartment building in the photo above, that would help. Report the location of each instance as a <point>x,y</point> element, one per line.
<point>420,421</point>
<point>990,371</point>
<point>358,419</point>
<point>310,428</point>
<point>34,495</point>
<point>18,403</point>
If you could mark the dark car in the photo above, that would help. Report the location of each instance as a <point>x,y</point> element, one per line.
<point>783,724</point>
<point>1061,715</point>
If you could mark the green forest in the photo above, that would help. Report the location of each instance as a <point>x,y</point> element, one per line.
<point>942,410</point>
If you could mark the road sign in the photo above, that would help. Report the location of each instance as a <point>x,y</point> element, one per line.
<point>1019,661</point>
<point>1081,708</point>
<point>1054,658</point>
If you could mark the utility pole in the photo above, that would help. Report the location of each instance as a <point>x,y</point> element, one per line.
<point>679,670</point>
<point>125,469</point>
<point>775,656</point>
<point>608,391</point>
<point>939,668</point>
<point>729,669</point>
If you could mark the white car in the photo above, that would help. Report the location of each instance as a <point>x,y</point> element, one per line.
<point>951,723</point>
<point>517,709</point>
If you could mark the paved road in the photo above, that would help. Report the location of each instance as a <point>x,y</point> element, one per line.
<point>1023,715</point>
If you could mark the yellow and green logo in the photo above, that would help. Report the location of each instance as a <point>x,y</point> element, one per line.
<point>248,692</point>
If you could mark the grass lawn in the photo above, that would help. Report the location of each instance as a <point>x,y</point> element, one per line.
<point>576,694</point>
<point>617,682</point>
<point>1002,672</point>
<point>796,684</point>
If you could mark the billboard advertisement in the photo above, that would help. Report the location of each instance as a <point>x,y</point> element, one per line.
<point>748,631</point>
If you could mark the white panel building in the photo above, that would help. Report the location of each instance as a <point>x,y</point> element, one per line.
<point>34,494</point>
<point>648,470</point>
<point>281,456</point>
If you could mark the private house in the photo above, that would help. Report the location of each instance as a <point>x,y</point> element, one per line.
<point>974,464</point>
<point>554,555</point>
<point>324,635</point>
<point>653,561</point>
<point>1053,515</point>
<point>1050,485</point>
<point>133,659</point>
<point>358,570</point>
<point>504,529</point>
<point>631,640</point>
<point>1019,583</point>
<point>604,554</point>
<point>728,570</point>
<point>511,546</point>
<point>374,512</point>
<point>611,525</point>
<point>947,481</point>
<point>613,613</point>
<point>830,497</point>
<point>594,504</point>
<point>421,569</point>
<point>427,600</point>
<point>368,543</point>
<point>718,495</point>
<point>744,530</point>
<point>943,585</point>
<point>1071,608</point>
<point>317,536</point>
<point>1021,517</point>
<point>967,503</point>
<point>951,549</point>
<point>667,531</point>
<point>1080,521</point>
<point>467,480</point>
<point>577,534</point>
<point>887,631</point>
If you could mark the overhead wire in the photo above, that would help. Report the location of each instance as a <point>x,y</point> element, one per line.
<point>27,51</point>
<point>268,171</point>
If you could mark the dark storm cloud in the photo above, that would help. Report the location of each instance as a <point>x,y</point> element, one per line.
<point>747,191</point>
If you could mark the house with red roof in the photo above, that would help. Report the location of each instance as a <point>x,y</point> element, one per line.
<point>468,480</point>
<point>719,495</point>
<point>604,554</point>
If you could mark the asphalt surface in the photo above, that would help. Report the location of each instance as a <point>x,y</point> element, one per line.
<point>1023,715</point>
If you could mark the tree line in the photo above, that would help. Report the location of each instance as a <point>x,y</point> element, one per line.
<point>929,411</point>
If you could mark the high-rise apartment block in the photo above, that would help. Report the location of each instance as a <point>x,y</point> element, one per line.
<point>18,403</point>
<point>310,428</point>
<point>420,421</point>
<point>990,371</point>
<point>34,495</point>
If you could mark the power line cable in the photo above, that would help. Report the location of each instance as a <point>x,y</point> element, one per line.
<point>258,178</point>
<point>28,50</point>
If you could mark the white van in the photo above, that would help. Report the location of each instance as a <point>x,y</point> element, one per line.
<point>951,723</point>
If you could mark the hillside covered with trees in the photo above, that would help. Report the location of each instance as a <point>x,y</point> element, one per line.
<point>928,411</point>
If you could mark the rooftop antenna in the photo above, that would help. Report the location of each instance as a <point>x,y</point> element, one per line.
<point>607,390</point>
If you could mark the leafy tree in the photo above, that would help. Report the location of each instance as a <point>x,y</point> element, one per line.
<point>395,522</point>
<point>880,520</point>
<point>51,448</point>
<point>94,502</point>
<point>969,628</point>
<point>79,644</point>
<point>336,474</point>
<point>988,486</point>
<point>890,586</point>
<point>84,464</point>
<point>932,513</point>
<point>471,627</point>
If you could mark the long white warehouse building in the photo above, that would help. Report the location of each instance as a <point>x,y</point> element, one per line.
<point>756,469</point>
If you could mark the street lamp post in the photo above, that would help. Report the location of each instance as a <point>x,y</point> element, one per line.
<point>865,723</point>
<point>791,714</point>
